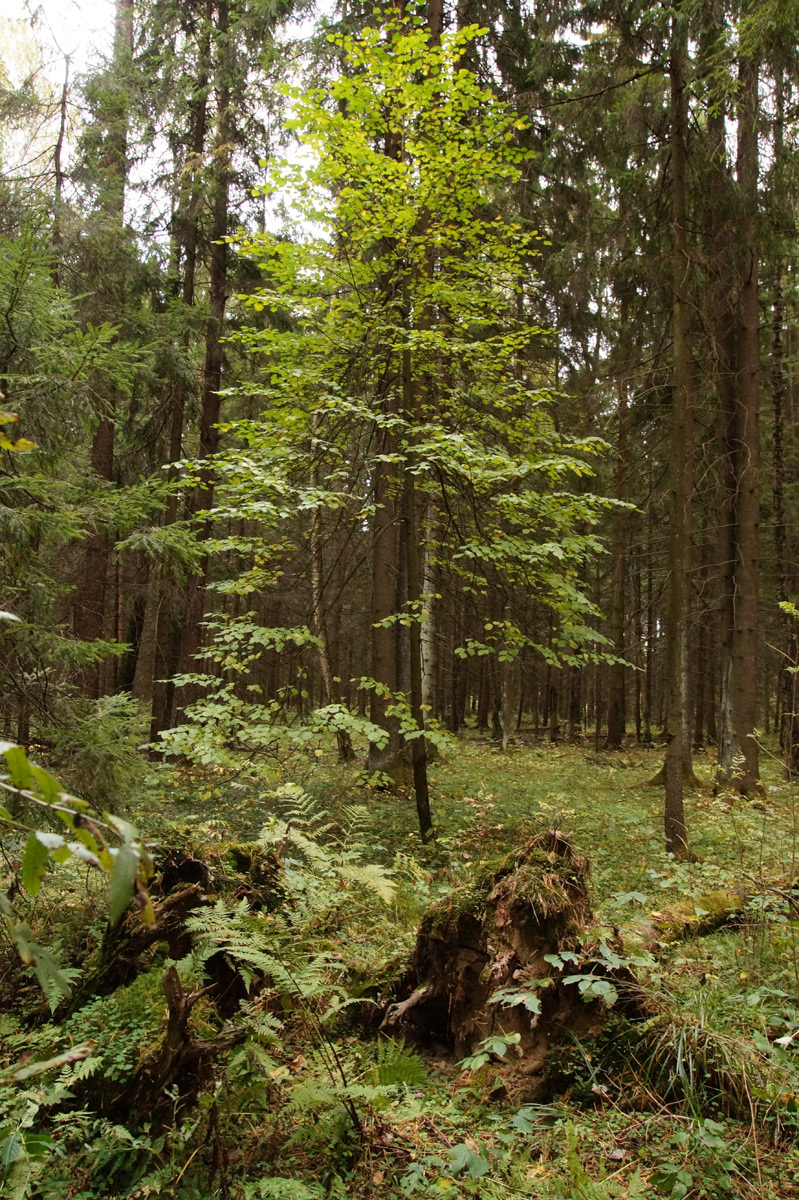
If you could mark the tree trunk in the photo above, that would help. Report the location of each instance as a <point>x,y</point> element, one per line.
<point>681,464</point>
<point>788,647</point>
<point>383,604</point>
<point>721,306</point>
<point>745,656</point>
<point>617,707</point>
<point>318,624</point>
<point>431,587</point>
<point>202,498</point>
<point>90,596</point>
<point>170,614</point>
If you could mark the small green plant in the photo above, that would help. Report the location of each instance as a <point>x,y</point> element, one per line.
<point>496,1045</point>
<point>598,978</point>
<point>583,1187</point>
<point>706,1164</point>
<point>396,1065</point>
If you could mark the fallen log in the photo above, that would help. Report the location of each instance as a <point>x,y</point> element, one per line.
<point>120,958</point>
<point>686,919</point>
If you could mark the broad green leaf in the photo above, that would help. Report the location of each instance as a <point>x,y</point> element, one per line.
<point>34,864</point>
<point>80,851</point>
<point>19,767</point>
<point>10,1149</point>
<point>125,830</point>
<point>47,784</point>
<point>462,1158</point>
<point>38,1144</point>
<point>123,876</point>
<point>52,841</point>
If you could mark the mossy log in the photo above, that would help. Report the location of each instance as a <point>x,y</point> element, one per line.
<point>687,919</point>
<point>494,937</point>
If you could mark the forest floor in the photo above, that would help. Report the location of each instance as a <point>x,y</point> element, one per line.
<point>696,1098</point>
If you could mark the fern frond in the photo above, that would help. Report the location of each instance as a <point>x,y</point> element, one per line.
<point>372,877</point>
<point>396,1064</point>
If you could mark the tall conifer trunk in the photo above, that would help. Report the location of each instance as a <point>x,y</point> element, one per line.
<point>738,749</point>
<point>169,622</point>
<point>201,500</point>
<point>90,597</point>
<point>617,700</point>
<point>789,641</point>
<point>681,463</point>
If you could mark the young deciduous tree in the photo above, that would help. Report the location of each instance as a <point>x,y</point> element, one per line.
<point>398,372</point>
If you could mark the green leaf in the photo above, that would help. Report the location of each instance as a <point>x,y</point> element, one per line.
<point>10,1149</point>
<point>34,864</point>
<point>630,897</point>
<point>510,997</point>
<point>123,875</point>
<point>52,841</point>
<point>47,784</point>
<point>19,767</point>
<point>51,978</point>
<point>462,1158</point>
<point>123,828</point>
<point>38,1144</point>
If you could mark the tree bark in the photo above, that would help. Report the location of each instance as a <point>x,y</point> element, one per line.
<point>90,596</point>
<point>681,464</point>
<point>318,623</point>
<point>617,706</point>
<point>789,642</point>
<point>745,651</point>
<point>202,498</point>
<point>170,614</point>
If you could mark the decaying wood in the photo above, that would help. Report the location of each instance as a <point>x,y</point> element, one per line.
<point>168,1083</point>
<point>124,944</point>
<point>500,935</point>
<point>687,919</point>
<point>496,935</point>
<point>397,1013</point>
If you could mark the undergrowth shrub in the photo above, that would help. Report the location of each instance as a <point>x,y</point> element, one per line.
<point>97,749</point>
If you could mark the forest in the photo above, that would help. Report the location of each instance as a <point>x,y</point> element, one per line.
<point>399,601</point>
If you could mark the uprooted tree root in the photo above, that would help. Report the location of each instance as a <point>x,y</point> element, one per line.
<point>168,1083</point>
<point>496,935</point>
<point>169,1080</point>
<point>483,964</point>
